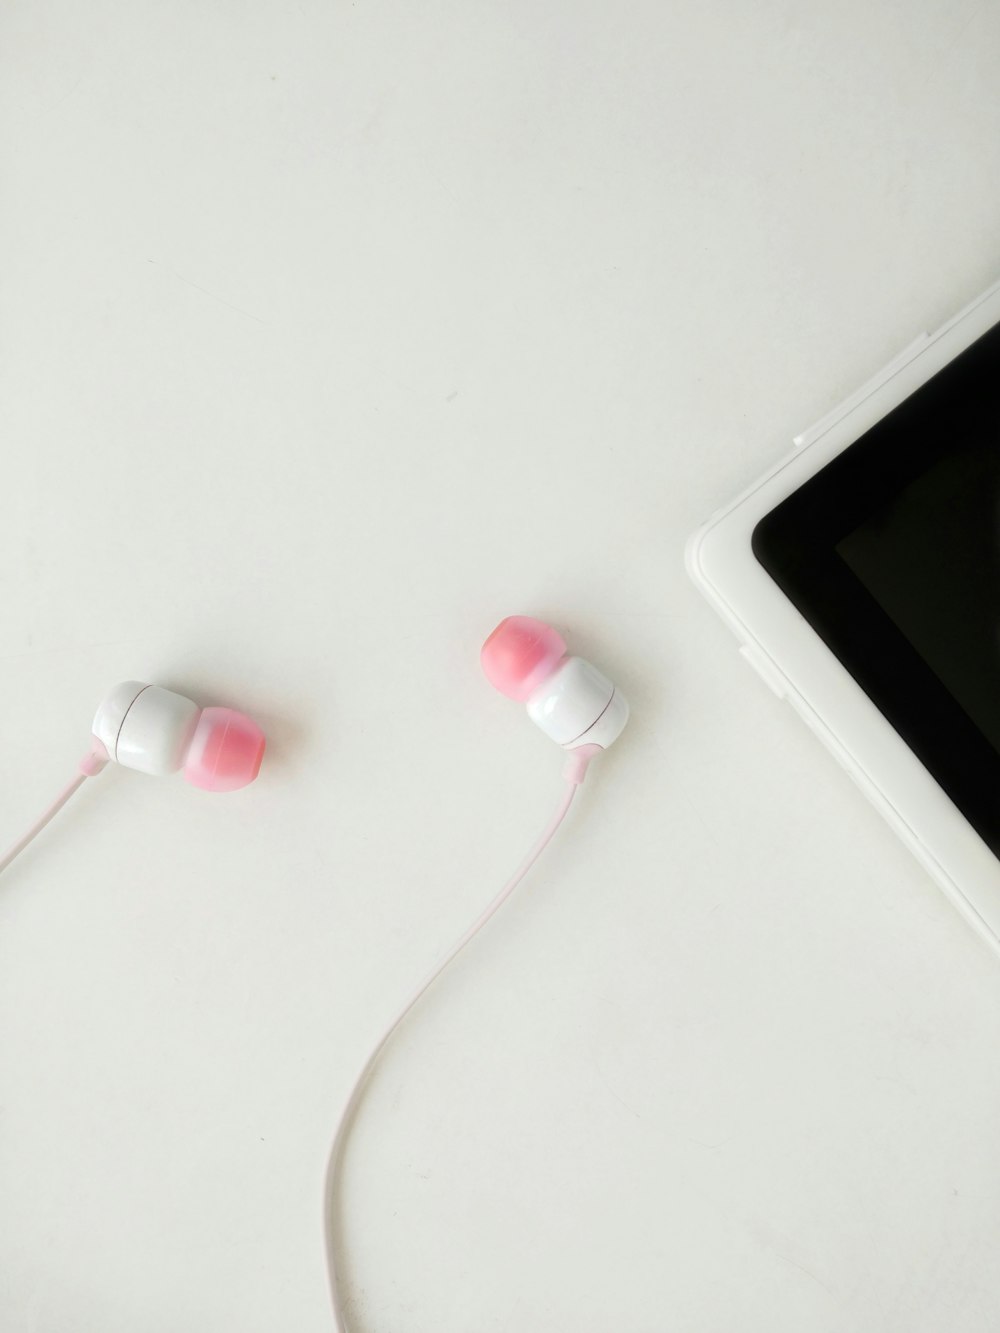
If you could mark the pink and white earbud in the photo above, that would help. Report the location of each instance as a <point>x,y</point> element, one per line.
<point>573,703</point>
<point>155,731</point>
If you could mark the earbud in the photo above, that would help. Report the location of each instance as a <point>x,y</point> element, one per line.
<point>156,731</point>
<point>573,703</point>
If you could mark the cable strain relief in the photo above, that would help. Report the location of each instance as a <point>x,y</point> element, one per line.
<point>95,759</point>
<point>578,761</point>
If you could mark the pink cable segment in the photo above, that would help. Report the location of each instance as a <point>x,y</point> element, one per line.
<point>91,763</point>
<point>574,776</point>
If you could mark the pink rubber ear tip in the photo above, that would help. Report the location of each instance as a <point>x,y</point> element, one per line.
<point>519,654</point>
<point>225,751</point>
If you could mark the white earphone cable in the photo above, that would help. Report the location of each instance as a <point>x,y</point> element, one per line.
<point>91,763</point>
<point>574,775</point>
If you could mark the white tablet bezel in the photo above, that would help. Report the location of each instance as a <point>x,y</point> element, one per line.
<point>797,664</point>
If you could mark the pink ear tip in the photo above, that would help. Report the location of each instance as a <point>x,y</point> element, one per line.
<point>226,751</point>
<point>519,654</point>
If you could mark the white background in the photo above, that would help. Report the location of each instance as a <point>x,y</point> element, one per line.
<point>333,333</point>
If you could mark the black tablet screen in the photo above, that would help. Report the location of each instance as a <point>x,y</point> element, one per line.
<point>892,553</point>
<point>931,559</point>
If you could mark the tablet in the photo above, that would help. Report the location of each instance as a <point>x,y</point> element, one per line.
<point>862,578</point>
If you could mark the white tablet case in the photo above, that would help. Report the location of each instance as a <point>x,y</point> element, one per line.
<point>798,666</point>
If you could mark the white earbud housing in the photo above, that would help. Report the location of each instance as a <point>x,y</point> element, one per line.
<point>578,705</point>
<point>146,728</point>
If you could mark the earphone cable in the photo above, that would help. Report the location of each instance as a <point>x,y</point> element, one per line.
<point>574,776</point>
<point>91,763</point>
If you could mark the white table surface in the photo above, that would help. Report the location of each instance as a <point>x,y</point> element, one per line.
<point>333,333</point>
